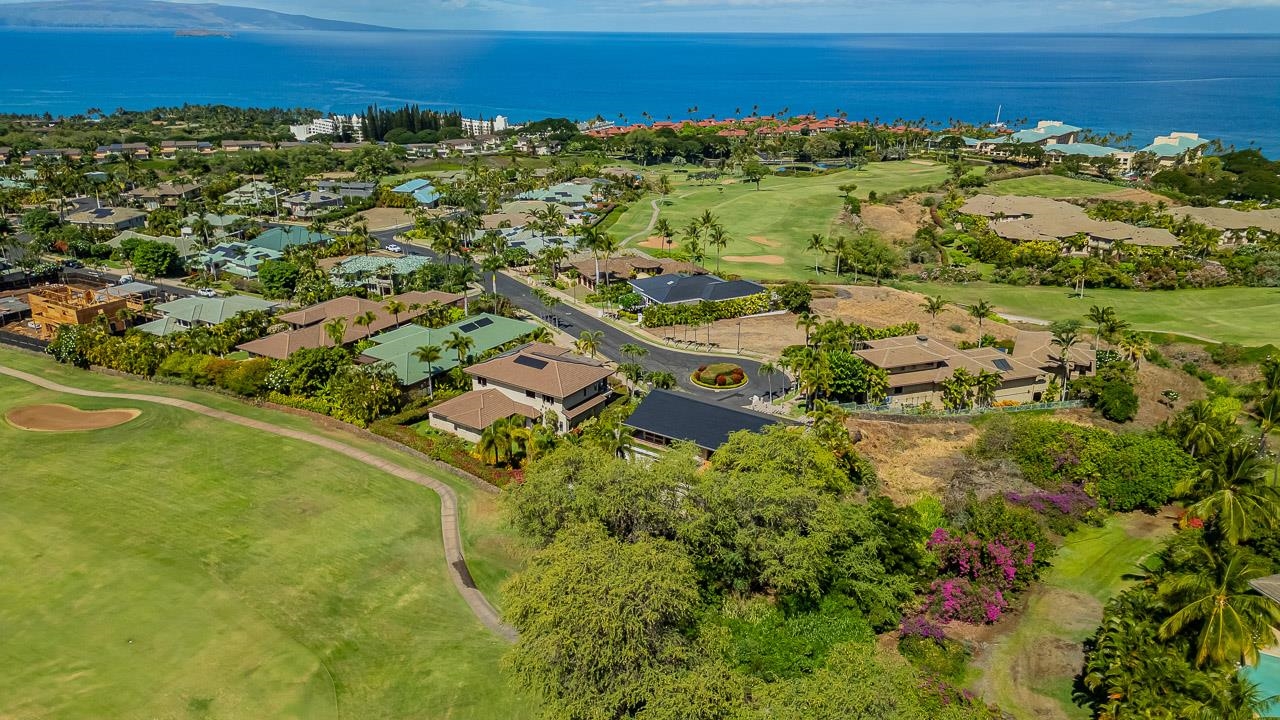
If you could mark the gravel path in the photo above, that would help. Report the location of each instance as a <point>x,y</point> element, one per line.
<point>452,538</point>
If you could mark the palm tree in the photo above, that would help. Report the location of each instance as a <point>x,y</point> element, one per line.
<point>1214,601</point>
<point>1235,492</point>
<point>694,250</point>
<point>665,231</point>
<point>808,321</point>
<point>1135,347</point>
<point>491,264</point>
<point>934,306</point>
<point>718,239</point>
<point>460,344</point>
<point>1065,337</point>
<point>1200,428</point>
<point>464,274</point>
<point>980,311</point>
<point>365,320</point>
<point>1267,412</point>
<point>492,441</point>
<point>429,355</point>
<point>985,387</point>
<point>336,329</point>
<point>633,352</point>
<point>1101,317</point>
<point>394,308</point>
<point>539,334</point>
<point>817,245</point>
<point>767,371</point>
<point>589,342</point>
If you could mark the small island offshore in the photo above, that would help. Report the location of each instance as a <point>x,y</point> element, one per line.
<point>202,32</point>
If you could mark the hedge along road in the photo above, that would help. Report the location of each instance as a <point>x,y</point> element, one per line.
<point>458,572</point>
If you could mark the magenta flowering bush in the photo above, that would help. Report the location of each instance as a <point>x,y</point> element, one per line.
<point>976,578</point>
<point>962,599</point>
<point>1062,510</point>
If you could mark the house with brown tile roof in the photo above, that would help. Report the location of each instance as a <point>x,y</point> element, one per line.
<point>1029,219</point>
<point>917,365</point>
<point>308,324</point>
<point>543,379</point>
<point>470,413</point>
<point>629,267</point>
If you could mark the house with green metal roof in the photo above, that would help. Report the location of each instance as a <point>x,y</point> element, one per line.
<point>398,346</point>
<point>375,273</point>
<point>185,245</point>
<point>281,238</point>
<point>233,257</point>
<point>1175,146</point>
<point>221,224</point>
<point>188,312</point>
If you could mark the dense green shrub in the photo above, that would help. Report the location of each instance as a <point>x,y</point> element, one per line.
<point>942,657</point>
<point>1138,471</point>
<point>694,313</point>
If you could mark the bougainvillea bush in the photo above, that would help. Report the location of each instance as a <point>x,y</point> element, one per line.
<point>1062,510</point>
<point>976,578</point>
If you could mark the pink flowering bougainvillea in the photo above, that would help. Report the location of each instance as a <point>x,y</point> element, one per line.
<point>976,577</point>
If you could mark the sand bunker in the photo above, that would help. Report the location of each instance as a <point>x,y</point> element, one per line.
<point>656,242</point>
<point>64,418</point>
<point>763,259</point>
<point>762,240</point>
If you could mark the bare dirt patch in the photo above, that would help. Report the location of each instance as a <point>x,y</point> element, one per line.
<point>761,240</point>
<point>1153,380</point>
<point>64,418</point>
<point>913,460</point>
<point>895,222</point>
<point>384,218</point>
<point>762,259</point>
<point>1135,195</point>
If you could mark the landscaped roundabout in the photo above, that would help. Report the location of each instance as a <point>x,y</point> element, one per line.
<point>720,376</point>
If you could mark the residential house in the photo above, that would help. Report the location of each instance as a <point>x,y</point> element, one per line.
<point>422,191</point>
<point>68,154</point>
<point>55,305</point>
<point>307,325</point>
<point>348,189</point>
<point>163,195</point>
<point>109,218</point>
<point>459,146</point>
<point>917,365</point>
<point>534,381</point>
<point>575,195</point>
<point>221,225</point>
<point>310,203</point>
<point>1237,226</point>
<point>236,258</point>
<point>169,149</point>
<point>251,194</point>
<point>283,237</point>
<point>115,151</point>
<point>186,246</point>
<point>378,274</point>
<point>664,418</point>
<point>1036,348</point>
<point>245,146</point>
<point>676,289</point>
<point>1090,152</point>
<point>188,312</point>
<point>5,152</point>
<point>398,346</point>
<point>346,147</point>
<point>630,267</point>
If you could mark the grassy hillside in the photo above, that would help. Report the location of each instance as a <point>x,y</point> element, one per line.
<point>1051,186</point>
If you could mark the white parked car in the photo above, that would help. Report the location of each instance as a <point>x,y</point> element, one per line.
<point>393,248</point>
<point>206,292</point>
<point>125,279</point>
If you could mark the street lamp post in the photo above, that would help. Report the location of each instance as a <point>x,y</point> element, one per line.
<point>739,336</point>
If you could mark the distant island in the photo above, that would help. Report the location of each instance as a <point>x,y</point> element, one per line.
<point>207,18</point>
<point>1231,21</point>
<point>202,33</point>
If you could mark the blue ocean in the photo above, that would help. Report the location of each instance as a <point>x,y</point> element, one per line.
<point>1222,87</point>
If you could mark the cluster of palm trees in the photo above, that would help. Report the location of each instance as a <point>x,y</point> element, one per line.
<point>700,233</point>
<point>965,389</point>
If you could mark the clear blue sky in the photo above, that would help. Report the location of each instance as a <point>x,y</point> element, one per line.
<point>749,15</point>
<point>833,16</point>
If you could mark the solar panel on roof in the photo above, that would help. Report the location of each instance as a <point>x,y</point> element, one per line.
<point>483,322</point>
<point>468,327</point>
<point>530,362</point>
<point>1002,364</point>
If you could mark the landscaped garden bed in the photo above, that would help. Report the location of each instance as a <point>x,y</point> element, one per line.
<point>720,376</point>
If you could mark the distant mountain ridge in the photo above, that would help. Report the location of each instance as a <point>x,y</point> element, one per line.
<point>145,14</point>
<point>1232,21</point>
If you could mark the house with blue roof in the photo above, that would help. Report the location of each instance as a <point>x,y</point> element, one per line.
<point>1177,147</point>
<point>422,191</point>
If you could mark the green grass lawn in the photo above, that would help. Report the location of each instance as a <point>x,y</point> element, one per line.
<point>1051,186</point>
<point>1249,316</point>
<point>178,566</point>
<point>776,220</point>
<point>1088,571</point>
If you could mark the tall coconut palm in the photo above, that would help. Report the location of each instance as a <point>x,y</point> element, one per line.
<point>985,386</point>
<point>395,308</point>
<point>718,238</point>
<point>767,371</point>
<point>633,352</point>
<point>808,321</point>
<point>1214,603</point>
<point>980,311</point>
<point>336,329</point>
<point>429,355</point>
<point>1065,337</point>
<point>1267,413</point>
<point>1236,493</point>
<point>1134,346</point>
<point>366,320</point>
<point>1199,428</point>
<point>816,245</point>
<point>664,230</point>
<point>460,344</point>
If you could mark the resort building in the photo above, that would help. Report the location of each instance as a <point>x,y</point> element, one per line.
<point>1045,133</point>
<point>1177,148</point>
<point>109,218</point>
<point>39,154</point>
<point>535,381</point>
<point>307,327</point>
<point>680,288</point>
<point>244,146</point>
<point>1032,219</point>
<point>664,418</point>
<point>310,203</point>
<point>399,346</point>
<point>188,312</point>
<point>577,194</point>
<point>480,126</point>
<point>333,126</point>
<point>1237,226</point>
<point>1090,152</point>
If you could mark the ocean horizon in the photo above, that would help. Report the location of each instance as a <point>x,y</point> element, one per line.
<point>1225,87</point>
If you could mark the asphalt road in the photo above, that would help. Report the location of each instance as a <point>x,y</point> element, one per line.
<point>574,321</point>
